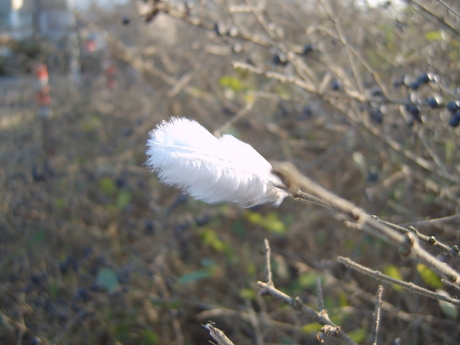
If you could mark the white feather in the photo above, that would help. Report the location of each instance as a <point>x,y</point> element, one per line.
<point>212,169</point>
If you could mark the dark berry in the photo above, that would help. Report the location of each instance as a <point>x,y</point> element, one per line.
<point>376,93</point>
<point>306,113</point>
<point>372,176</point>
<point>453,106</point>
<point>202,220</point>
<point>414,111</point>
<point>335,85</point>
<point>82,294</point>
<point>434,102</point>
<point>38,278</point>
<point>150,227</point>
<point>425,78</point>
<point>34,341</point>
<point>120,182</point>
<point>307,49</point>
<point>280,59</point>
<point>403,81</point>
<point>37,174</point>
<point>454,121</point>
<point>414,85</point>
<point>376,115</point>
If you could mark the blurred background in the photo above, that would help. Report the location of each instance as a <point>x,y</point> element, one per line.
<point>362,96</point>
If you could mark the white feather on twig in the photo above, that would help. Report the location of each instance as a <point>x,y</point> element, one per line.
<point>211,169</point>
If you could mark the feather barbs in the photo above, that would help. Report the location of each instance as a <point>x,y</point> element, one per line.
<point>211,169</point>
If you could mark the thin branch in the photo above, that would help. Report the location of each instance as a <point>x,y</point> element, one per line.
<point>408,243</point>
<point>319,294</point>
<point>430,240</point>
<point>449,8</point>
<point>433,221</point>
<point>268,266</point>
<point>269,290</point>
<point>376,320</point>
<point>342,39</point>
<point>434,16</point>
<point>407,285</point>
<point>218,335</point>
<point>127,55</point>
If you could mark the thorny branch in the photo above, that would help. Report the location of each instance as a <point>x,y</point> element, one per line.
<point>377,310</point>
<point>268,289</point>
<point>407,285</point>
<point>408,243</point>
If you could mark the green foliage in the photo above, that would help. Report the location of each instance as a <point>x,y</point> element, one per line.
<point>107,185</point>
<point>434,35</point>
<point>194,276</point>
<point>307,280</point>
<point>393,272</point>
<point>124,198</point>
<point>149,337</point>
<point>210,238</point>
<point>249,294</point>
<point>107,278</point>
<point>39,237</point>
<point>429,277</point>
<point>269,222</point>
<point>313,327</point>
<point>358,335</point>
<point>231,82</point>
<point>447,308</point>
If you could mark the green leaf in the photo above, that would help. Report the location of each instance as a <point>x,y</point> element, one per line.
<point>248,294</point>
<point>434,36</point>
<point>60,202</point>
<point>208,262</point>
<point>107,185</point>
<point>194,276</point>
<point>447,308</point>
<point>53,290</point>
<point>149,337</point>
<point>393,272</point>
<point>272,223</point>
<point>107,278</point>
<point>39,237</point>
<point>124,198</point>
<point>209,237</point>
<point>450,151</point>
<point>307,280</point>
<point>232,83</point>
<point>358,335</point>
<point>311,328</point>
<point>429,277</point>
<point>238,227</point>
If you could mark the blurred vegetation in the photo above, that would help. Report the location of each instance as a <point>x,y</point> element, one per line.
<point>362,99</point>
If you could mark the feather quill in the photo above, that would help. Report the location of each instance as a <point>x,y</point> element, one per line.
<point>211,169</point>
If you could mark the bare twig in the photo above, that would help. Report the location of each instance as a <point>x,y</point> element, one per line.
<point>268,266</point>
<point>319,294</point>
<point>432,221</point>
<point>424,10</point>
<point>408,243</point>
<point>376,320</point>
<point>407,285</point>
<point>127,55</point>
<point>218,335</point>
<point>296,303</point>
<point>430,240</point>
<point>455,13</point>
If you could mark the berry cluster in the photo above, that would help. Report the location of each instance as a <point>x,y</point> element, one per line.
<point>454,109</point>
